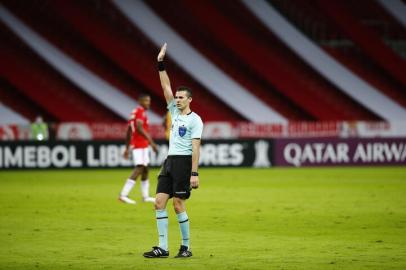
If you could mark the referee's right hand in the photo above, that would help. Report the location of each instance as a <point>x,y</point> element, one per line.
<point>161,54</point>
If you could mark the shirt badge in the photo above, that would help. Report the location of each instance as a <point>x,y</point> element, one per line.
<point>182,131</point>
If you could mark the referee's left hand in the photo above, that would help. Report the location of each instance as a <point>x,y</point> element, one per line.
<point>194,181</point>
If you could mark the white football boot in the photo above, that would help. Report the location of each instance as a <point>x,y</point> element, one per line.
<point>148,199</point>
<point>125,199</point>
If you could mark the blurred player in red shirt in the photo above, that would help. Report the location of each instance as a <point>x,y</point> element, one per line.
<point>139,139</point>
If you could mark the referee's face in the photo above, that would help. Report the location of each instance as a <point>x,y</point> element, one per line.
<point>182,100</point>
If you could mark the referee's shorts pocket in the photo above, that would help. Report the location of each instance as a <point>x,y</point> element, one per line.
<point>164,185</point>
<point>164,168</point>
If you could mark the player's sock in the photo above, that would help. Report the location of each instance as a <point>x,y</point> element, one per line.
<point>162,224</point>
<point>145,188</point>
<point>184,228</point>
<point>129,184</point>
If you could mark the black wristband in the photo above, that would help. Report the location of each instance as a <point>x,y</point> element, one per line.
<point>194,174</point>
<point>161,65</point>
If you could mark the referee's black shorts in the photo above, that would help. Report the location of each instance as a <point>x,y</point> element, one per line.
<point>174,177</point>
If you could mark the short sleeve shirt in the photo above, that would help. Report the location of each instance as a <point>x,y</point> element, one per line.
<point>137,140</point>
<point>184,128</point>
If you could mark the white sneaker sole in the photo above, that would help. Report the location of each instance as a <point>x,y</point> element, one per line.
<point>126,200</point>
<point>149,199</point>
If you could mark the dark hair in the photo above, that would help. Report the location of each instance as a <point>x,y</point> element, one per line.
<point>143,95</point>
<point>186,89</point>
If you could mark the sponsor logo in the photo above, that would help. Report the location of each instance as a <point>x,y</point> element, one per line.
<point>42,156</point>
<point>222,154</point>
<point>62,156</point>
<point>261,154</point>
<point>380,152</point>
<point>93,154</point>
<point>335,153</point>
<point>315,153</point>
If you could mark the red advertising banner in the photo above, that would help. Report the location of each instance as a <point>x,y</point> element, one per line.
<point>14,132</point>
<point>219,130</point>
<point>100,131</point>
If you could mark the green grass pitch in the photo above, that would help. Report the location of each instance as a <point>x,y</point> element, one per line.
<point>331,218</point>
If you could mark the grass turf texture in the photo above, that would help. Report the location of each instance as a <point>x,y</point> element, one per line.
<point>351,218</point>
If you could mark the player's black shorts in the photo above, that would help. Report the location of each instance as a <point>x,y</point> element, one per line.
<point>174,177</point>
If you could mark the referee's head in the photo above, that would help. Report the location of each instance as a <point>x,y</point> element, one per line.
<point>188,91</point>
<point>183,97</point>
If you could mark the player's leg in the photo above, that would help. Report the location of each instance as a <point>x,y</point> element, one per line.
<point>183,219</point>
<point>145,186</point>
<point>180,208</point>
<point>161,215</point>
<point>160,251</point>
<point>162,219</point>
<point>130,182</point>
<point>181,194</point>
<point>163,193</point>
<point>145,179</point>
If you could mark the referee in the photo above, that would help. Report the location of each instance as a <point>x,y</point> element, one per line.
<point>179,171</point>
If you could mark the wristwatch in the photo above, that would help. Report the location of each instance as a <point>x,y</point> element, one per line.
<point>195,174</point>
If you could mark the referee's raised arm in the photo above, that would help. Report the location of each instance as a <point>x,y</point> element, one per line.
<point>163,76</point>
